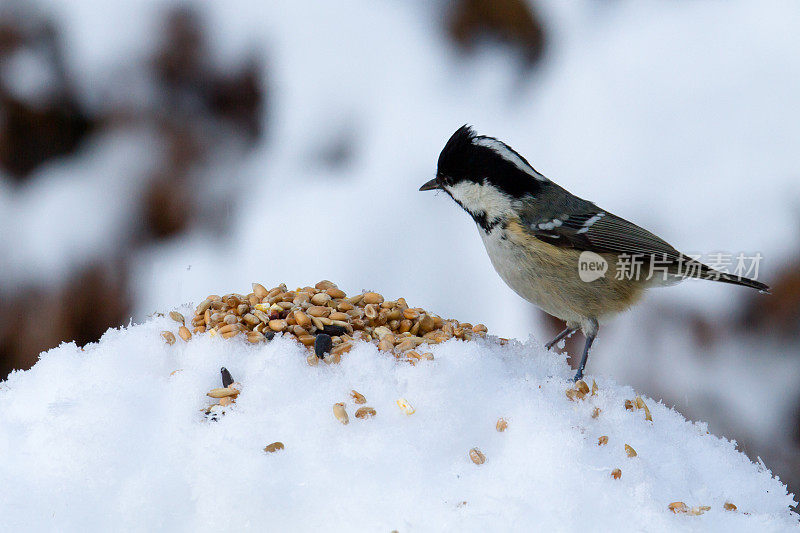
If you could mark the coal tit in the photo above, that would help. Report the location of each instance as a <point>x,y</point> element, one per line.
<point>538,236</point>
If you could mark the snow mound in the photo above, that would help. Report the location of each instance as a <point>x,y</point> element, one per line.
<point>110,438</point>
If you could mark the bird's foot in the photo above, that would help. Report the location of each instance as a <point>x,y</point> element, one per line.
<point>563,335</point>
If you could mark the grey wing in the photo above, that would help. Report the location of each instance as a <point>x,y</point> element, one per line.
<point>566,220</point>
<point>569,221</point>
<point>572,222</point>
<point>601,231</point>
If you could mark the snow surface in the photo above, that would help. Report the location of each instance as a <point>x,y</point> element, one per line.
<point>108,439</point>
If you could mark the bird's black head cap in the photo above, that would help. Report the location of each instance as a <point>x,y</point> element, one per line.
<point>479,159</point>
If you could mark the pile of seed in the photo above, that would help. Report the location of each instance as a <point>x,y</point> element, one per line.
<point>325,320</point>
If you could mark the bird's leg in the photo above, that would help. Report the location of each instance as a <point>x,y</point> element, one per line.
<point>566,333</point>
<point>584,357</point>
<point>590,335</point>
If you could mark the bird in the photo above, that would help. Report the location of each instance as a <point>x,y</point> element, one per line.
<point>554,249</point>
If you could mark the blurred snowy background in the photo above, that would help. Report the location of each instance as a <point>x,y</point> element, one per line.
<point>154,152</point>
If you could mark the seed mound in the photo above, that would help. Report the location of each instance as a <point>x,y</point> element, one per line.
<point>326,321</point>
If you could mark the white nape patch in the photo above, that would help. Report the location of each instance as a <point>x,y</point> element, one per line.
<point>588,223</point>
<point>556,222</point>
<point>482,198</point>
<point>509,155</point>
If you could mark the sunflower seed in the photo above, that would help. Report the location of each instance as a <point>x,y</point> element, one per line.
<point>227,379</point>
<point>322,345</point>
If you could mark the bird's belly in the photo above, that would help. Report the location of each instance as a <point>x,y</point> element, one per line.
<point>526,274</point>
<point>548,277</point>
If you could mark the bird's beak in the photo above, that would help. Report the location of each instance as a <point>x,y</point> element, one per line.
<point>431,185</point>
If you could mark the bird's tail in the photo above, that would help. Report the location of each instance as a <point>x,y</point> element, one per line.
<point>739,280</point>
<point>706,272</point>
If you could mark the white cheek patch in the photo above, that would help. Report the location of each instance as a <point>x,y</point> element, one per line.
<point>509,155</point>
<point>482,198</point>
